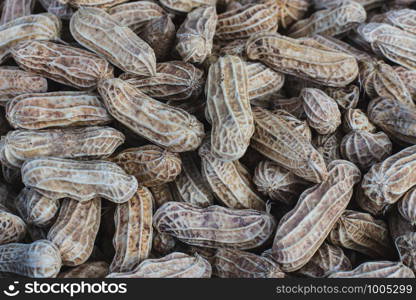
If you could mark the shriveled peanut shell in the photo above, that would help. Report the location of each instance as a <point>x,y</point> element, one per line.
<point>161,194</point>
<point>185,6</point>
<point>13,9</point>
<point>61,10</point>
<point>96,269</point>
<point>150,164</point>
<point>164,125</point>
<point>395,118</point>
<point>228,108</point>
<point>365,149</point>
<point>40,259</point>
<point>381,79</point>
<point>262,81</point>
<point>332,21</point>
<point>407,206</point>
<point>301,126</point>
<point>389,180</point>
<point>346,97</point>
<point>99,32</point>
<point>160,34</point>
<point>277,183</point>
<point>134,231</point>
<point>163,243</point>
<point>406,246</point>
<point>290,56</point>
<point>174,265</point>
<point>228,182</point>
<point>14,82</point>
<point>32,27</point>
<point>377,269</point>
<point>175,80</point>
<point>318,209</point>
<point>356,119</point>
<point>321,110</point>
<point>195,35</point>
<point>190,185</point>
<point>232,263</point>
<point>93,3</point>
<point>214,226</point>
<point>58,178</point>
<point>408,77</point>
<point>36,209</point>
<point>328,145</point>
<point>242,22</point>
<point>12,227</point>
<point>83,142</point>
<point>362,233</point>
<point>137,14</point>
<point>64,64</point>
<point>328,259</point>
<point>393,43</point>
<point>56,109</point>
<point>75,230</point>
<point>275,138</point>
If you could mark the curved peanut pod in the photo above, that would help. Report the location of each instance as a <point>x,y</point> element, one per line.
<point>61,10</point>
<point>165,125</point>
<point>84,142</point>
<point>321,110</point>
<point>185,6</point>
<point>262,80</point>
<point>377,269</point>
<point>406,245</point>
<point>136,15</point>
<point>232,263</point>
<point>99,32</point>
<point>389,180</point>
<point>228,108</point>
<point>195,35</point>
<point>13,9</point>
<point>75,230</point>
<point>407,206</point>
<point>227,182</point>
<point>393,43</point>
<point>174,265</point>
<point>12,227</point>
<point>56,109</point>
<point>275,138</point>
<point>36,209</point>
<point>64,64</point>
<point>362,233</point>
<point>134,231</point>
<point>174,81</point>
<point>93,3</point>
<point>96,269</point>
<point>44,26</point>
<point>328,259</point>
<point>40,259</point>
<point>150,164</point>
<point>290,56</point>
<point>356,119</point>
<point>318,209</point>
<point>190,185</point>
<point>332,21</point>
<point>58,178</point>
<point>14,82</point>
<point>277,183</point>
<point>214,226</point>
<point>365,149</point>
<point>247,20</point>
<point>395,118</point>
